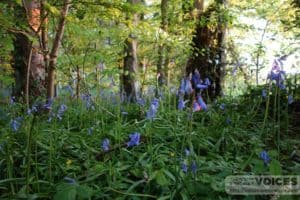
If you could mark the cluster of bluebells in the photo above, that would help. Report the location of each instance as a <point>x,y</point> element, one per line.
<point>61,110</point>
<point>277,74</point>
<point>87,99</point>
<point>184,164</point>
<point>188,86</point>
<point>134,140</point>
<point>151,113</point>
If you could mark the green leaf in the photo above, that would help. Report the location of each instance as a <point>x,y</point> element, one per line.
<point>84,192</point>
<point>275,168</point>
<point>66,192</point>
<point>161,178</point>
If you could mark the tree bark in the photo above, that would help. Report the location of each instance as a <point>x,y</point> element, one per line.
<point>54,50</point>
<point>208,55</point>
<point>129,87</point>
<point>35,85</point>
<point>161,49</point>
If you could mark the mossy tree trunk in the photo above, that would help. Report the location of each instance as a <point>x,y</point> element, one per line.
<point>208,55</point>
<point>129,84</point>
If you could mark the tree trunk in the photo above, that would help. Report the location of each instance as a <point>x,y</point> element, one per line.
<point>129,87</point>
<point>54,50</point>
<point>161,49</point>
<point>208,56</point>
<point>22,49</point>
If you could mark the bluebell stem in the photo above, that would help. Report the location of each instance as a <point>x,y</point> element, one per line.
<point>194,167</point>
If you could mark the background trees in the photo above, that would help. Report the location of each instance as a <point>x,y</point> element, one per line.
<point>99,49</point>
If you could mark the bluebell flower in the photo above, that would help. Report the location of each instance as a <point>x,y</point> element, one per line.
<point>265,157</point>
<point>90,131</point>
<point>228,120</point>
<point>277,74</point>
<point>134,139</point>
<point>196,78</point>
<point>202,104</point>
<point>16,123</point>
<point>34,109</point>
<point>188,86</point>
<point>194,167</point>
<point>201,86</point>
<point>181,89</point>
<point>184,167</point>
<point>187,152</point>
<point>12,100</point>
<point>151,113</point>
<point>222,106</point>
<point>290,99</point>
<point>196,106</point>
<point>87,98</point>
<point>141,102</point>
<point>181,103</point>
<point>207,81</point>
<point>105,144</point>
<point>264,93</point>
<point>48,104</point>
<point>61,110</point>
<point>70,180</point>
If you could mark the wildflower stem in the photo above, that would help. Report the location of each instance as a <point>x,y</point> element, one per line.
<point>28,153</point>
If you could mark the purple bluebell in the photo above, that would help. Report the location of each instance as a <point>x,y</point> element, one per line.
<point>34,109</point>
<point>265,157</point>
<point>151,113</point>
<point>290,99</point>
<point>48,104</point>
<point>70,180</point>
<point>105,144</point>
<point>228,120</point>
<point>187,152</point>
<point>141,102</point>
<point>87,98</point>
<point>202,103</point>
<point>277,74</point>
<point>12,100</point>
<point>134,139</point>
<point>188,86</point>
<point>194,167</point>
<point>222,106</point>
<point>201,86</point>
<point>61,110</point>
<point>184,167</point>
<point>207,81</point>
<point>196,106</point>
<point>16,123</point>
<point>196,78</point>
<point>264,93</point>
<point>181,103</point>
<point>181,89</point>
